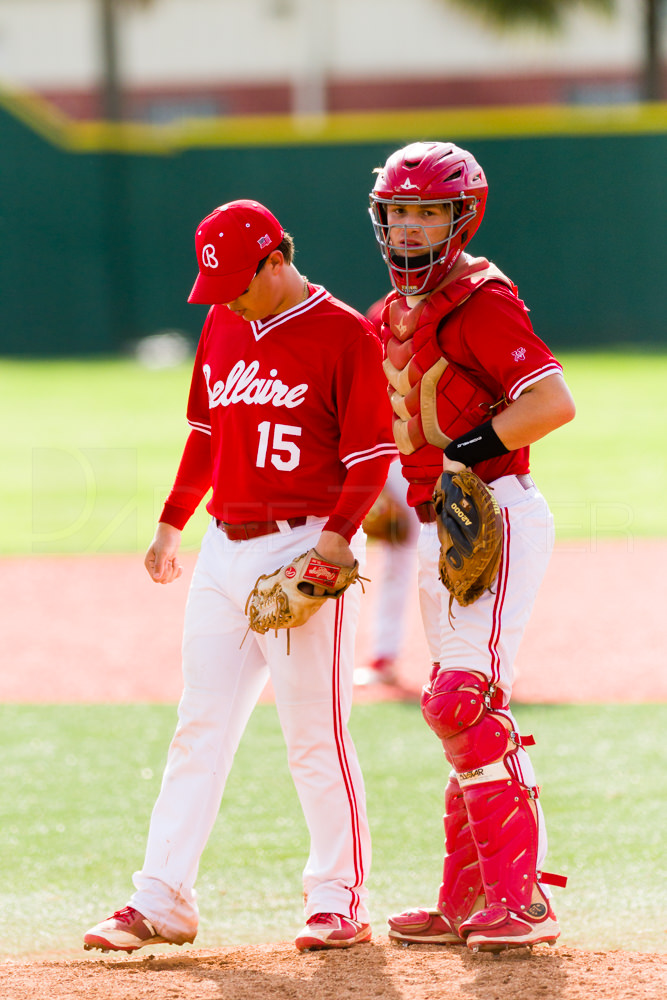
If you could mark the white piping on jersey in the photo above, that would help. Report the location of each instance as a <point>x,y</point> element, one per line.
<point>261,327</point>
<point>536,376</point>
<point>204,428</point>
<point>348,460</point>
<point>388,448</point>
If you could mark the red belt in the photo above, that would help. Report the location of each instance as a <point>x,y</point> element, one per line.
<point>255,529</point>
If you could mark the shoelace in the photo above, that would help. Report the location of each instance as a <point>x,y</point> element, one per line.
<point>322,918</point>
<point>125,916</point>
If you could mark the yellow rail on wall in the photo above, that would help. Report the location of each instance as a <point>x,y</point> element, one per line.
<point>337,128</point>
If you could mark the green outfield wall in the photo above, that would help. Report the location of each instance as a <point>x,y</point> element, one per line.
<point>97,221</point>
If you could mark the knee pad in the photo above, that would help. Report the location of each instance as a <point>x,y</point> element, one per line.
<point>453,701</point>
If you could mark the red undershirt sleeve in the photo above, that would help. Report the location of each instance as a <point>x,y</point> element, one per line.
<point>193,481</point>
<point>360,490</point>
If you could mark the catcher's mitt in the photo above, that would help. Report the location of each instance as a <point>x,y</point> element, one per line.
<point>387,520</point>
<point>286,598</point>
<point>471,537</point>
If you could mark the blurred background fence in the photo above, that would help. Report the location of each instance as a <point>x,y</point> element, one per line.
<point>97,222</point>
<point>124,122</point>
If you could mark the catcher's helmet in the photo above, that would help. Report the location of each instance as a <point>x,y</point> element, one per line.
<point>423,173</point>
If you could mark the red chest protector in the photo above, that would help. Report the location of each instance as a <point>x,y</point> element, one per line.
<point>433,400</point>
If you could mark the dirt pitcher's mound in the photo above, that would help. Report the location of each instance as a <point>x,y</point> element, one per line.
<point>381,970</point>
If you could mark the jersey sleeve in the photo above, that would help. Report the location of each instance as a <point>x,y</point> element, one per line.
<point>192,483</point>
<point>361,488</point>
<point>195,471</point>
<point>366,440</point>
<point>500,345</point>
<point>198,412</point>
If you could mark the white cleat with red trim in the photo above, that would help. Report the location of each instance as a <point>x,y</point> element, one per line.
<point>497,928</point>
<point>331,930</point>
<point>125,930</point>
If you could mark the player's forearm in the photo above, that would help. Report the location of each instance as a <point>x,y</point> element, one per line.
<point>539,410</point>
<point>361,488</point>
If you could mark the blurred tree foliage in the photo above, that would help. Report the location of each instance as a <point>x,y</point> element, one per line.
<point>545,12</point>
<point>551,13</point>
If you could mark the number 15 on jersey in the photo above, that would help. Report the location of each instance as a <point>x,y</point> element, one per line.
<point>275,445</point>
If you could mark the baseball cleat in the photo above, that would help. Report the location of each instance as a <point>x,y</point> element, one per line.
<point>497,928</point>
<point>331,930</point>
<point>380,671</point>
<point>422,926</point>
<point>126,930</point>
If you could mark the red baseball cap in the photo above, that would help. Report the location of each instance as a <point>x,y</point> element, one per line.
<point>230,242</point>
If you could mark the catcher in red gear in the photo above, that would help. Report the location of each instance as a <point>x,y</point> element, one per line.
<point>472,387</point>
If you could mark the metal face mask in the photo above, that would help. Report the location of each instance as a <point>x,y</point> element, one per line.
<point>422,174</point>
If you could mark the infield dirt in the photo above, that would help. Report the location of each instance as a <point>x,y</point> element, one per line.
<point>93,614</point>
<point>381,970</point>
<point>75,621</point>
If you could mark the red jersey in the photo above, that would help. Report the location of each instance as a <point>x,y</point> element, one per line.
<point>491,337</point>
<point>291,406</point>
<point>488,337</point>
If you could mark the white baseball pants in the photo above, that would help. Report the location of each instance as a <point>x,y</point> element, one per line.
<point>396,578</point>
<point>222,683</point>
<point>484,637</point>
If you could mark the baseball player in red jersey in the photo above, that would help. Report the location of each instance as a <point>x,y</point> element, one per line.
<point>291,427</point>
<point>471,386</point>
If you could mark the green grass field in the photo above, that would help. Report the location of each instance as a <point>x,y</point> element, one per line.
<point>91,449</point>
<point>78,783</point>
<point>88,454</point>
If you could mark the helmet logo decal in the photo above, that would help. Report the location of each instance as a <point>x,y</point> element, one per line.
<point>208,257</point>
<point>407,185</point>
<point>264,241</point>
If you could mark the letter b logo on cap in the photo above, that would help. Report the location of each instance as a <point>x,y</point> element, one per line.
<point>208,257</point>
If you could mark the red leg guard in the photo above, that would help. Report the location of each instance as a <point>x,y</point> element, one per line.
<point>503,819</point>
<point>452,701</point>
<point>504,826</point>
<point>458,706</point>
<point>461,892</point>
<point>462,889</point>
